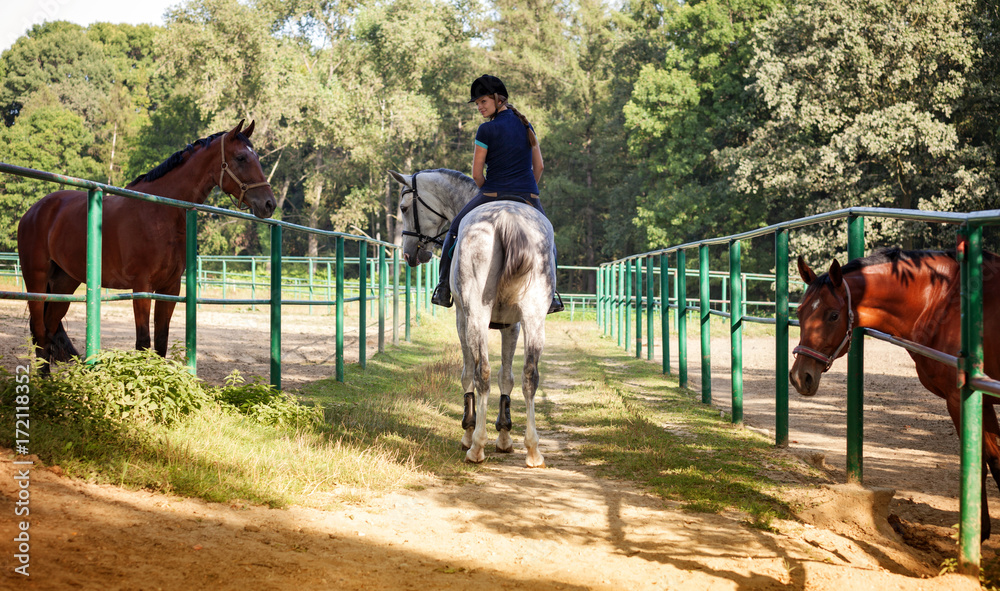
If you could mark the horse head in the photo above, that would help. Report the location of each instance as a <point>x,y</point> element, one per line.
<point>241,176</point>
<point>423,224</point>
<point>826,320</point>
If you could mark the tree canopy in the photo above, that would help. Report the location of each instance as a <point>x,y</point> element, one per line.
<point>660,123</point>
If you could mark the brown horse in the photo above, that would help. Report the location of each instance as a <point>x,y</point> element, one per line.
<point>143,243</point>
<point>913,295</point>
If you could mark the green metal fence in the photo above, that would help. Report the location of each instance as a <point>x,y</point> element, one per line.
<point>621,303</point>
<point>372,285</point>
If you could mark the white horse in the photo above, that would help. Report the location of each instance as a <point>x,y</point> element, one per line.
<point>503,276</point>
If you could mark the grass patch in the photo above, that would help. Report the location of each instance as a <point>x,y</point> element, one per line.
<point>142,422</point>
<point>637,424</point>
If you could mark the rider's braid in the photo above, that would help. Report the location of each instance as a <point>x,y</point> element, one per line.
<point>502,100</point>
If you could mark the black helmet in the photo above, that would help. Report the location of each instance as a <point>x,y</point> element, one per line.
<point>486,84</point>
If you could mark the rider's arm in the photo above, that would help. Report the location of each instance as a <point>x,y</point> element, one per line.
<point>536,162</point>
<point>478,164</point>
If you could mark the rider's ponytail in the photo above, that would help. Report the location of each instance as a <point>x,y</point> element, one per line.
<point>502,100</point>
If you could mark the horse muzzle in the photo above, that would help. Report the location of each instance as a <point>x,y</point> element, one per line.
<point>805,376</point>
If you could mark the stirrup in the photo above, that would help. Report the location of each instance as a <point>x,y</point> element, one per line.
<point>556,305</point>
<point>442,295</point>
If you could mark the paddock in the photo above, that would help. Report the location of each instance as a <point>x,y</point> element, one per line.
<point>514,527</point>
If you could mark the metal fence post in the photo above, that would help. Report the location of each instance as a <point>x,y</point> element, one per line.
<point>665,311</point>
<point>628,304</point>
<point>706,324</point>
<point>191,291</point>
<point>407,332</point>
<point>276,306</point>
<point>95,219</point>
<point>395,296</point>
<point>382,283</point>
<point>638,308</point>
<point>970,258</point>
<point>781,338</point>
<point>363,303</point>
<point>340,308</point>
<point>855,368</point>
<point>681,290</point>
<point>649,308</point>
<point>736,329</point>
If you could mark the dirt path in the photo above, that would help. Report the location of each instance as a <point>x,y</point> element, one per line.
<point>509,527</point>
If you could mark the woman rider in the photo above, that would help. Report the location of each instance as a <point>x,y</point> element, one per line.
<point>506,148</point>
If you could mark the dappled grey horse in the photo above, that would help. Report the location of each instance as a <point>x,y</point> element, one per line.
<point>503,276</point>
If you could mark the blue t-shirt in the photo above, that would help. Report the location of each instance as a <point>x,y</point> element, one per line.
<point>508,154</point>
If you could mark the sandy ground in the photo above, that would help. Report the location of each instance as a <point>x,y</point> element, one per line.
<point>558,528</point>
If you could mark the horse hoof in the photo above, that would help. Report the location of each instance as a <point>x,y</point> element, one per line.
<point>505,451</point>
<point>472,458</point>
<point>534,461</point>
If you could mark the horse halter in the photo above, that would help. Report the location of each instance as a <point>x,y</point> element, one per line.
<point>829,359</point>
<point>240,203</point>
<point>423,239</point>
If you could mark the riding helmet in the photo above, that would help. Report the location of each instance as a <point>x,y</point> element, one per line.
<point>486,84</point>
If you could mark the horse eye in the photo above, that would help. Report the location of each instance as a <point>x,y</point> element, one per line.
<point>241,158</point>
<point>833,316</point>
<point>403,208</point>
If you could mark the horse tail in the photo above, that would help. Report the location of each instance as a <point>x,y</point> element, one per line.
<point>517,255</point>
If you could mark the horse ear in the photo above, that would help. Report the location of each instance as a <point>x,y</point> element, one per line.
<point>401,179</point>
<point>836,278</point>
<point>249,130</point>
<point>807,274</point>
<point>237,129</point>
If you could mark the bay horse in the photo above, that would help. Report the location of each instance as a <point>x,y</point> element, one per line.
<point>914,295</point>
<point>143,243</point>
<point>502,277</point>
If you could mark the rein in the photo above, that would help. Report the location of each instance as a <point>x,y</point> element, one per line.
<point>829,359</point>
<point>240,203</point>
<point>423,239</point>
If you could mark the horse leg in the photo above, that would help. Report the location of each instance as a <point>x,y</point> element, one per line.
<point>469,412</point>
<point>162,313</point>
<point>509,336</point>
<point>534,338</point>
<point>479,360</point>
<point>141,310</point>
<point>60,346</point>
<point>36,325</point>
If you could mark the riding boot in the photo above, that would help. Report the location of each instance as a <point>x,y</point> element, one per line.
<point>557,304</point>
<point>442,293</point>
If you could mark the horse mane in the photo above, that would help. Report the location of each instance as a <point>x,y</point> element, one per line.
<point>177,157</point>
<point>893,255</point>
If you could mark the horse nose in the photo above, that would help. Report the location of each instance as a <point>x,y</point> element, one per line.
<point>406,258</point>
<point>269,207</point>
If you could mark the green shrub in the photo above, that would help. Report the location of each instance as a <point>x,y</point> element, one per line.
<point>120,387</point>
<point>264,404</point>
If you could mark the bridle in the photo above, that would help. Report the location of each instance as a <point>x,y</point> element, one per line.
<point>423,239</point>
<point>241,203</point>
<point>828,359</point>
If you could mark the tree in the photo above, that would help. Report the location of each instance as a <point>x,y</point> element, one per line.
<point>683,109</point>
<point>862,100</point>
<point>48,137</point>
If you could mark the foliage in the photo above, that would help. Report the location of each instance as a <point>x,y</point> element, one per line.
<point>863,101</point>
<point>659,123</point>
<point>119,388</point>
<point>264,404</point>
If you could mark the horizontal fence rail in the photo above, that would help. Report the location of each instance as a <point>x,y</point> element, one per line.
<point>622,301</point>
<point>93,296</point>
